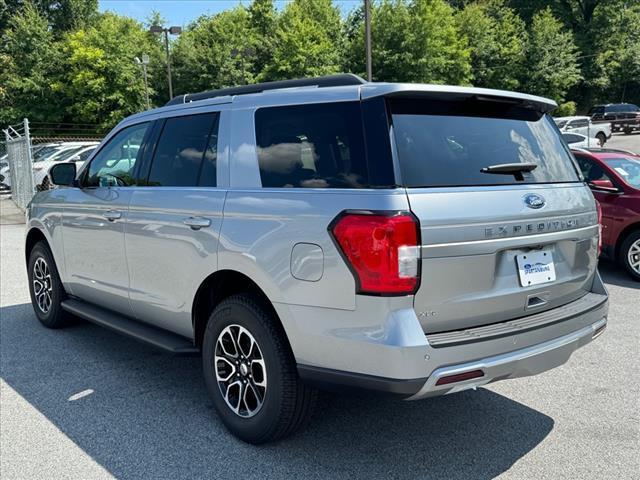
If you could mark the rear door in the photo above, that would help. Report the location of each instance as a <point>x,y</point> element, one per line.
<point>498,241</point>
<point>174,221</point>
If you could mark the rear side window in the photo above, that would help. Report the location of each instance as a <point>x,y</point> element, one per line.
<point>181,150</point>
<point>448,143</point>
<point>312,146</point>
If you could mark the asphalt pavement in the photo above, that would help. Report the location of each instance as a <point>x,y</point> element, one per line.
<point>626,142</point>
<point>85,403</point>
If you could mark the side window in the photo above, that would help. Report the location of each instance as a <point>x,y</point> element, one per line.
<point>581,123</point>
<point>312,146</point>
<point>571,137</point>
<point>85,155</point>
<point>209,162</point>
<point>585,166</point>
<point>181,149</point>
<point>113,165</point>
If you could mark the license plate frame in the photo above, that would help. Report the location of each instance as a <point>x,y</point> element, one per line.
<point>536,267</point>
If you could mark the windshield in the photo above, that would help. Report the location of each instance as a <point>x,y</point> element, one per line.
<point>627,168</point>
<point>44,152</point>
<point>439,150</point>
<point>65,154</point>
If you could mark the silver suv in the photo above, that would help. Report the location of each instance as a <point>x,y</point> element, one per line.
<point>410,239</point>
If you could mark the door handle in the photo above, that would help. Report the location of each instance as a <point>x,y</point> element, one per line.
<point>112,215</point>
<point>196,223</point>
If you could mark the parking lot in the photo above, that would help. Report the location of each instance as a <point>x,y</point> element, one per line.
<point>626,142</point>
<point>86,403</point>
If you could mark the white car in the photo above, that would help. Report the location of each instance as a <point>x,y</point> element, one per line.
<point>584,126</point>
<point>576,140</point>
<point>67,152</point>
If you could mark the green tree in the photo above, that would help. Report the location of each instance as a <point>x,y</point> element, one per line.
<point>551,58</point>
<point>214,51</point>
<point>497,39</point>
<point>263,20</point>
<point>416,41</point>
<point>308,41</point>
<point>29,60</point>
<point>101,81</point>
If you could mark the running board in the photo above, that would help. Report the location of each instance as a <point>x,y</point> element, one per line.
<point>162,339</point>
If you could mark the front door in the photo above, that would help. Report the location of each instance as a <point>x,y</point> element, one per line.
<point>93,223</point>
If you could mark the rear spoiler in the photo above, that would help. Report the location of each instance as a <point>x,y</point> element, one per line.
<point>454,93</point>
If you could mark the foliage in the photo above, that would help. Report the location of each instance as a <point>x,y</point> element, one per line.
<point>566,109</point>
<point>307,41</point>
<point>551,58</point>
<point>63,61</point>
<point>414,41</point>
<point>497,38</point>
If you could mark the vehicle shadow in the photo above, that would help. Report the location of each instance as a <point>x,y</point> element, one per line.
<point>614,274</point>
<point>150,417</point>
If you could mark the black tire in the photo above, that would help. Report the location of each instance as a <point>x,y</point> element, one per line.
<point>602,138</point>
<point>627,131</point>
<point>53,316</point>
<point>287,402</point>
<point>633,239</point>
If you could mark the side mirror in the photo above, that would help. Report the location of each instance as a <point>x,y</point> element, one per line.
<point>568,127</point>
<point>605,186</point>
<point>63,174</point>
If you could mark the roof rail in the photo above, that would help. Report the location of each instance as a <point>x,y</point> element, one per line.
<point>338,80</point>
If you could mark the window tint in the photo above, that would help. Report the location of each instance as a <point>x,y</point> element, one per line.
<point>449,143</point>
<point>209,163</point>
<point>113,164</point>
<point>180,150</point>
<point>312,146</point>
<point>581,123</point>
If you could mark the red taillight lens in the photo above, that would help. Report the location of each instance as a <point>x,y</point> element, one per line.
<point>382,250</point>
<point>599,209</point>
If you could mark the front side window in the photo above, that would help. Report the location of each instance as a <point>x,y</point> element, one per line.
<point>182,149</point>
<point>113,165</point>
<point>312,146</point>
<point>443,143</point>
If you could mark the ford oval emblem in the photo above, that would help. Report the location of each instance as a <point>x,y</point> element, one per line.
<point>533,200</point>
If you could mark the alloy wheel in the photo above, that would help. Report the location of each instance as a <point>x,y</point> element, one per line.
<point>42,285</point>
<point>633,256</point>
<point>240,371</point>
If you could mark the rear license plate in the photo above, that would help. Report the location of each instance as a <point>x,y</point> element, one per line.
<point>536,267</point>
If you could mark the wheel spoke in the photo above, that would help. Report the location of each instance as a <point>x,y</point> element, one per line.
<point>240,371</point>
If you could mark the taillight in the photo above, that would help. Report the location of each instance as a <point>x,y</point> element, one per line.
<point>382,249</point>
<point>599,209</point>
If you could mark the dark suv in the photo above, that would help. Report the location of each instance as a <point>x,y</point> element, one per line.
<point>623,116</point>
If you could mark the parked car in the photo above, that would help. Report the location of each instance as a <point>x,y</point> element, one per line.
<point>577,140</point>
<point>5,176</point>
<point>411,239</point>
<point>623,117</point>
<point>584,126</point>
<point>78,155</point>
<point>614,178</point>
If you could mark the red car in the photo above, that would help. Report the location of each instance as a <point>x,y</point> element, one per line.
<point>614,178</point>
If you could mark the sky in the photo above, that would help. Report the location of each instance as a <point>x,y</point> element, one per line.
<point>182,12</point>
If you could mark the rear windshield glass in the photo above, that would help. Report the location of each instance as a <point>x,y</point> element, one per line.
<point>443,144</point>
<point>594,110</point>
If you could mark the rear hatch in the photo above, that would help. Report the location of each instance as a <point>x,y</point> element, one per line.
<point>507,226</point>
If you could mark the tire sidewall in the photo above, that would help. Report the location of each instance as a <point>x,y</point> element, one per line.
<point>624,254</point>
<point>263,422</point>
<point>50,319</point>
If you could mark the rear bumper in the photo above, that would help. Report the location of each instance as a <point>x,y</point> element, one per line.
<point>520,363</point>
<point>413,366</point>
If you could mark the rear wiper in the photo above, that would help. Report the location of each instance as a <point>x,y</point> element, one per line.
<point>515,169</point>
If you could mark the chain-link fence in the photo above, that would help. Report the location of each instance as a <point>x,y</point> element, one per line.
<point>33,147</point>
<point>19,161</point>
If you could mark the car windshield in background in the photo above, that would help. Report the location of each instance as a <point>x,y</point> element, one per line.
<point>67,154</point>
<point>440,150</point>
<point>45,152</point>
<point>627,168</point>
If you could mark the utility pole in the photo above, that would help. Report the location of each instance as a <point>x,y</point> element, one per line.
<point>143,63</point>
<point>367,37</point>
<point>167,31</point>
